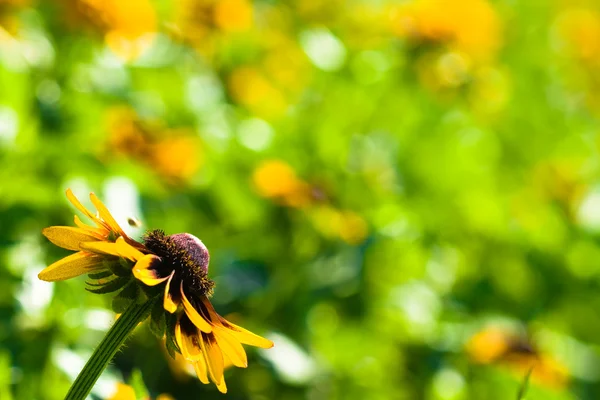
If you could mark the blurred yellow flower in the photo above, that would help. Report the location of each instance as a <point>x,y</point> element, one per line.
<point>488,345</point>
<point>269,85</point>
<point>495,345</point>
<point>175,154</point>
<point>176,157</point>
<point>580,27</point>
<point>202,23</point>
<point>353,228</point>
<point>285,63</point>
<point>9,20</point>
<point>126,392</point>
<point>466,36</point>
<point>345,225</point>
<point>233,15</point>
<point>123,392</point>
<point>276,180</point>
<point>128,26</point>
<point>468,26</point>
<point>252,88</point>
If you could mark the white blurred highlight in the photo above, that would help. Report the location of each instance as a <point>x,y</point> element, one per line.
<point>290,361</point>
<point>123,200</point>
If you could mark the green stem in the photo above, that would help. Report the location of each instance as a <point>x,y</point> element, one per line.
<point>107,349</point>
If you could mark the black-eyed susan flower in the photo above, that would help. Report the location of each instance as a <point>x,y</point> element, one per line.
<point>174,267</point>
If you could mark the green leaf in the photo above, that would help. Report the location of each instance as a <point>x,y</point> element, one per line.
<point>111,286</point>
<point>131,291</point>
<point>170,343</point>
<point>119,304</point>
<point>100,275</point>
<point>125,298</point>
<point>120,267</point>
<point>157,320</point>
<point>152,291</point>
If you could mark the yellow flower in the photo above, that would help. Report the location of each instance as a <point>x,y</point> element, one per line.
<point>580,27</point>
<point>94,245</point>
<point>233,15</point>
<point>469,26</point>
<point>209,24</point>
<point>128,26</point>
<point>123,392</point>
<point>180,263</point>
<point>276,180</point>
<point>488,345</point>
<point>173,154</point>
<point>204,338</point>
<point>499,346</point>
<point>252,88</point>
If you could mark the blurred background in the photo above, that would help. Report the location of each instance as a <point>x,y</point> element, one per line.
<point>403,195</point>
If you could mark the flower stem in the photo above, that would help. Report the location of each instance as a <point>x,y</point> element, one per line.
<point>107,349</point>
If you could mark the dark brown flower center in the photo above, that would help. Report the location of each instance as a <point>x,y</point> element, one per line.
<point>187,256</point>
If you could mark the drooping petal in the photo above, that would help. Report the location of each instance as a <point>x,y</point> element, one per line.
<point>222,386</point>
<point>245,336</point>
<point>191,351</point>
<point>127,251</point>
<point>106,248</point>
<point>226,361</point>
<point>169,303</point>
<point>100,233</point>
<point>145,270</point>
<point>231,347</point>
<point>74,265</point>
<point>194,316</point>
<point>241,334</point>
<point>106,215</point>
<point>214,359</point>
<point>200,368</point>
<point>84,210</point>
<point>68,237</point>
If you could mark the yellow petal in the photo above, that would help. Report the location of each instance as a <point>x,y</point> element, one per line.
<point>241,334</point>
<point>168,302</point>
<point>245,336</point>
<point>100,233</point>
<point>194,316</point>
<point>189,349</point>
<point>127,251</point>
<point>214,358</point>
<point>145,271</point>
<point>74,265</point>
<point>200,368</point>
<point>231,347</point>
<point>106,215</point>
<point>221,386</point>
<point>106,248</point>
<point>84,210</point>
<point>119,248</point>
<point>68,237</point>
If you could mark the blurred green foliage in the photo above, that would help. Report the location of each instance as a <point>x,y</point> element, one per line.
<point>403,195</point>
